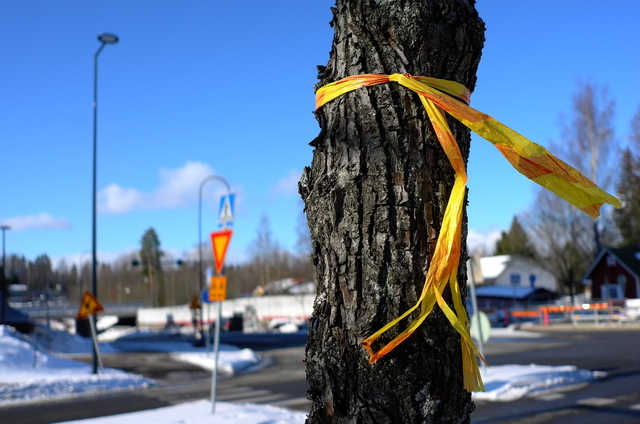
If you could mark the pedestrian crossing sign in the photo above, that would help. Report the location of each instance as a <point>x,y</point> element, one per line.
<point>89,306</point>
<point>226,210</point>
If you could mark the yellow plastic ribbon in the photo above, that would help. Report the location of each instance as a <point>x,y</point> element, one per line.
<point>528,158</point>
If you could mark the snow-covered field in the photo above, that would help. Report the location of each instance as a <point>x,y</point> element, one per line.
<point>29,375</point>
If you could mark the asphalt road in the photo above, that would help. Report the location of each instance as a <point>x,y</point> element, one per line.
<point>615,399</point>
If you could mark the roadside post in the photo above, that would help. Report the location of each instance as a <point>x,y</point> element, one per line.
<point>218,282</point>
<point>480,326</point>
<point>206,301</point>
<point>195,315</point>
<point>88,308</point>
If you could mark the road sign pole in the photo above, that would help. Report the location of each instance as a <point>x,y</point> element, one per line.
<point>206,330</point>
<point>476,311</point>
<point>89,306</point>
<point>216,350</point>
<point>218,288</point>
<point>94,337</point>
<point>205,300</point>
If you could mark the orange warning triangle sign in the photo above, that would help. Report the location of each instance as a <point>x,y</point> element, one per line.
<point>220,242</point>
<point>89,306</point>
<point>195,303</point>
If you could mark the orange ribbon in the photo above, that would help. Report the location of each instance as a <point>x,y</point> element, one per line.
<point>528,158</point>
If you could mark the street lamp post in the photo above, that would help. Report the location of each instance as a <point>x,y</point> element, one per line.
<point>81,269</point>
<point>105,39</point>
<point>209,178</point>
<point>4,276</point>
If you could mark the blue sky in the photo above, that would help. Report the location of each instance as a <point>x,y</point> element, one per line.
<point>199,87</point>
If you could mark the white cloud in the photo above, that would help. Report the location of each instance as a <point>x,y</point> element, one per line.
<point>287,186</point>
<point>115,199</point>
<point>483,242</point>
<point>40,221</point>
<point>178,188</point>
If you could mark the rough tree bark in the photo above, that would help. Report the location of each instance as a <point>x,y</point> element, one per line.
<point>375,196</point>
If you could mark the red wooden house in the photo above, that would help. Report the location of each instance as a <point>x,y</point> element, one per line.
<point>615,274</point>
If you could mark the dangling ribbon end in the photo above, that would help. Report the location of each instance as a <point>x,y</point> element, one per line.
<point>472,378</point>
<point>373,357</point>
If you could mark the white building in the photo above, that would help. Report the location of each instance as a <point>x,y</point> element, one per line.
<point>511,271</point>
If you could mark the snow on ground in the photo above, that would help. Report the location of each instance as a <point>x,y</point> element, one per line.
<point>31,368</point>
<point>509,333</point>
<point>200,413</point>
<point>507,383</point>
<point>229,362</point>
<point>28,375</point>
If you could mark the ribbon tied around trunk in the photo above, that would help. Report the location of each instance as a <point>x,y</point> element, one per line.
<point>530,159</point>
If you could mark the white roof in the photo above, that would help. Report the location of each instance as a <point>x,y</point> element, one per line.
<point>519,292</point>
<point>493,266</point>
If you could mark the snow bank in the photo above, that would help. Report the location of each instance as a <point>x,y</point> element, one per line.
<point>200,413</point>
<point>506,383</point>
<point>27,374</point>
<point>229,361</point>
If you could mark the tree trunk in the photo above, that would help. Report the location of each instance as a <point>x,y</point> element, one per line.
<point>375,197</point>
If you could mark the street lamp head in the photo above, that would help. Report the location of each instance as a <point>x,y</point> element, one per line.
<point>5,227</point>
<point>107,38</point>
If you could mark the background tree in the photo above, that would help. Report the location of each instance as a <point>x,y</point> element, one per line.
<point>265,252</point>
<point>563,239</point>
<point>515,242</point>
<point>588,143</point>
<point>627,218</point>
<point>151,263</point>
<point>72,287</point>
<point>132,287</point>
<point>40,273</point>
<point>180,278</point>
<point>375,196</point>
<point>566,239</point>
<point>269,262</point>
<point>263,249</point>
<point>18,269</point>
